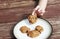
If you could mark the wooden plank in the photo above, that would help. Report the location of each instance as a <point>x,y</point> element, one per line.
<point>21,3</point>
<point>16,4</point>
<point>15,14</point>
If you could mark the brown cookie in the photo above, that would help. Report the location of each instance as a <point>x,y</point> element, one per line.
<point>39,28</point>
<point>32,18</point>
<point>33,33</point>
<point>24,29</point>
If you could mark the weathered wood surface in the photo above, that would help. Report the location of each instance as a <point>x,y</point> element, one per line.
<point>20,3</point>
<point>9,16</point>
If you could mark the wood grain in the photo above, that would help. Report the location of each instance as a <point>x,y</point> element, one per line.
<point>12,14</point>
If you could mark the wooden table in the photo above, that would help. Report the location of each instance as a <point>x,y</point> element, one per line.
<point>10,15</point>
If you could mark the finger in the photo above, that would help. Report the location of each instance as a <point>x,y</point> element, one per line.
<point>37,8</point>
<point>36,11</point>
<point>40,11</point>
<point>33,12</point>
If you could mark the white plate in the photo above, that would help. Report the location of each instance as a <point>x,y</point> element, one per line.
<point>44,35</point>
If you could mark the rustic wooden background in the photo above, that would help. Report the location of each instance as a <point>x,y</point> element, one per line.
<point>13,11</point>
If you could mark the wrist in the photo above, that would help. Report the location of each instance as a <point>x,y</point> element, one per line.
<point>43,4</point>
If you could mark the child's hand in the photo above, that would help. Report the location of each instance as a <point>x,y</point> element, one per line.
<point>39,11</point>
